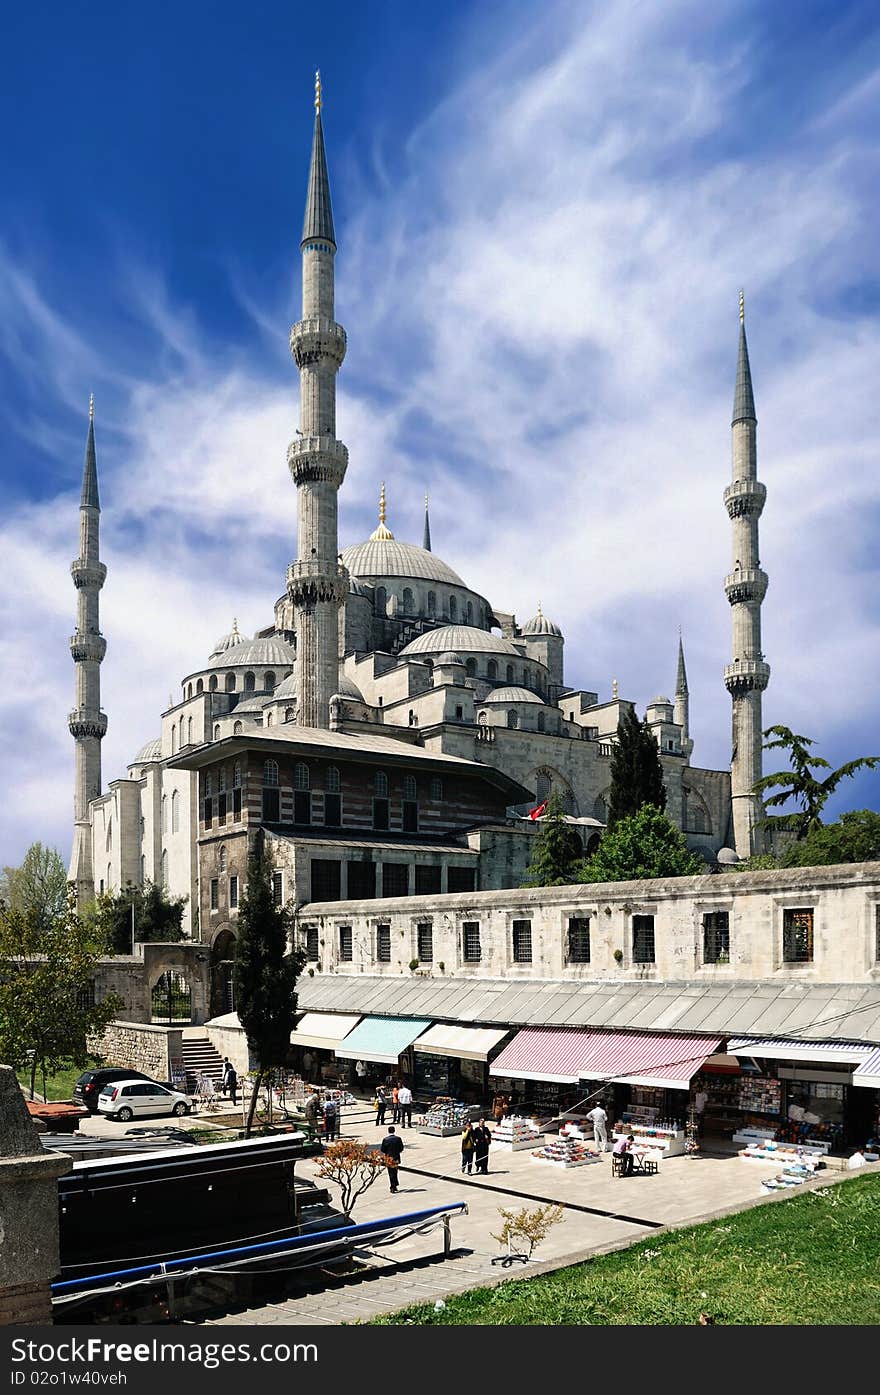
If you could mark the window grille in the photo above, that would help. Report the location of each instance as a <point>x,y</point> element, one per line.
<point>522,942</point>
<point>425,942</point>
<point>471,941</point>
<point>345,943</point>
<point>579,940</point>
<point>716,937</point>
<point>383,944</point>
<point>797,935</point>
<point>643,939</point>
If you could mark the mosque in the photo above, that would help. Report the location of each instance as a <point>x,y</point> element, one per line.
<point>389,726</point>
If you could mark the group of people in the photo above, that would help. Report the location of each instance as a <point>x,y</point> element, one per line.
<point>323,1117</point>
<point>475,1142</point>
<point>400,1098</point>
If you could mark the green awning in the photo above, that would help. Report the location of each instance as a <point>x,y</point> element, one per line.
<point>382,1039</point>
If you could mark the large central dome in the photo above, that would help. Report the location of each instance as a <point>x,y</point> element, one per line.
<point>381,557</point>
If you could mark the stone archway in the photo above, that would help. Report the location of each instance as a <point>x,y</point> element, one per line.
<point>546,781</point>
<point>222,960</point>
<point>171,998</point>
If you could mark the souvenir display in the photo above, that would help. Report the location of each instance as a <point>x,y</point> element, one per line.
<point>770,1151</point>
<point>760,1095</point>
<point>565,1152</point>
<point>445,1118</point>
<point>669,1142</point>
<point>514,1134</point>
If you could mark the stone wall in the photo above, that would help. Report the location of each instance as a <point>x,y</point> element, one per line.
<point>140,1046</point>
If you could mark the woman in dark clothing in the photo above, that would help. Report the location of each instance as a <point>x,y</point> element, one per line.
<point>482,1140</point>
<point>467,1148</point>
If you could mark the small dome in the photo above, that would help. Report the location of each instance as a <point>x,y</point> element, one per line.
<point>286,688</point>
<point>251,704</point>
<point>448,658</point>
<point>513,695</point>
<point>151,751</point>
<point>227,641</point>
<point>272,652</point>
<point>727,857</point>
<point>348,688</point>
<point>660,702</point>
<point>463,639</point>
<point>540,625</point>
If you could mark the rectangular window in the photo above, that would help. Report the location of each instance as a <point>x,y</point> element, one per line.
<point>85,997</point>
<point>522,942</point>
<point>215,893</point>
<point>233,893</point>
<point>361,881</point>
<point>209,811</point>
<point>326,879</point>
<point>277,888</point>
<point>271,805</point>
<point>410,816</point>
<point>236,805</point>
<point>427,881</point>
<point>425,942</point>
<point>383,944</point>
<point>221,808</point>
<point>395,879</point>
<point>311,943</point>
<point>797,935</point>
<point>302,806</point>
<point>461,879</point>
<point>716,937</point>
<point>332,810</point>
<point>578,939</point>
<point>380,814</point>
<point>470,933</point>
<point>643,939</point>
<point>345,943</point>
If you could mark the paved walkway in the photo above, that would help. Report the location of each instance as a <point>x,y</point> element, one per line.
<point>601,1213</point>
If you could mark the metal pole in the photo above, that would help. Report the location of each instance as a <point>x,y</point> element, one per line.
<point>447,1237</point>
<point>132,925</point>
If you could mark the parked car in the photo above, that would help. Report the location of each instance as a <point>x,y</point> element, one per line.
<point>91,1083</point>
<point>123,1099</point>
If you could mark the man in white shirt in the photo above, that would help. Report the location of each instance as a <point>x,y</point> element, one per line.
<point>404,1100</point>
<point>599,1119</point>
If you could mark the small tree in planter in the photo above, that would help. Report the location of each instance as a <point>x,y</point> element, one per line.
<point>527,1227</point>
<point>354,1168</point>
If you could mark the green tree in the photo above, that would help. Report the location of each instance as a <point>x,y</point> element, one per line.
<point>38,885</point>
<point>854,838</point>
<point>800,783</point>
<point>47,1007</point>
<point>636,772</point>
<point>644,845</point>
<point>157,918</point>
<point>557,850</point>
<point>265,971</point>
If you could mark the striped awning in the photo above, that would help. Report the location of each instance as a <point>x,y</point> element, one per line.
<point>382,1039</point>
<point>846,1053</point>
<point>465,1043</point>
<point>666,1061</point>
<point>543,1053</point>
<point>868,1073</point>
<point>324,1030</point>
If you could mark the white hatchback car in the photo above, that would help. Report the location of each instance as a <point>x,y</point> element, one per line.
<point>123,1099</point>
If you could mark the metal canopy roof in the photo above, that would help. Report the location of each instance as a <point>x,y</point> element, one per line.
<point>809,1011</point>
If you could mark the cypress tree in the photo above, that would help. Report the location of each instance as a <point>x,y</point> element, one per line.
<point>636,772</point>
<point>557,850</point>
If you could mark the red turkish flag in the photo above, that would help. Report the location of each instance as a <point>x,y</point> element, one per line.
<point>538,810</point>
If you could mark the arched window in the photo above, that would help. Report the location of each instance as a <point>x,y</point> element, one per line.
<point>436,787</point>
<point>542,721</point>
<point>200,686</point>
<point>236,729</point>
<point>380,784</point>
<point>453,608</point>
<point>408,602</point>
<point>513,718</point>
<point>492,670</point>
<point>212,683</point>
<point>471,668</point>
<point>189,690</point>
<point>189,731</point>
<point>236,775</point>
<point>221,779</point>
<point>174,738</point>
<point>470,613</point>
<point>483,719</point>
<point>409,787</point>
<point>217,733</point>
<point>300,776</point>
<point>381,600</point>
<point>527,678</point>
<point>209,786</point>
<point>223,863</point>
<point>164,866</point>
<point>510,673</point>
<point>267,719</point>
<point>230,682</point>
<point>109,876</point>
<point>109,835</point>
<point>250,682</point>
<point>289,714</point>
<point>269,681</point>
<point>332,782</point>
<point>270,772</point>
<point>165,806</point>
<point>432,604</point>
<point>175,811</point>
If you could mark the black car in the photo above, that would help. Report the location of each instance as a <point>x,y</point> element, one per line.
<point>91,1083</point>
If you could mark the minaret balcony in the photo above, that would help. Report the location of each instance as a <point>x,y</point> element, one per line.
<point>313,580</point>
<point>746,676</point>
<point>85,721</point>
<point>86,648</point>
<point>745,498</point>
<point>317,340</point>
<point>88,574</point>
<point>313,459</point>
<point>746,587</point>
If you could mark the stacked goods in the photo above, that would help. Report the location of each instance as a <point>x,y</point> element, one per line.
<point>781,1153</point>
<point>565,1152</point>
<point>445,1118</point>
<point>515,1134</point>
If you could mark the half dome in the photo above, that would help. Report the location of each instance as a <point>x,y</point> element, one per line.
<point>463,639</point>
<point>274,652</point>
<point>513,695</point>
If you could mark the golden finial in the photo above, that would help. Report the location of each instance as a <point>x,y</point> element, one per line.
<point>614,690</point>
<point>318,99</point>
<point>91,406</point>
<point>235,625</point>
<point>381,534</point>
<point>742,307</point>
<point>382,503</point>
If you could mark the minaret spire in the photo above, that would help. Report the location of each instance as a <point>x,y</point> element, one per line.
<point>748,674</point>
<point>426,536</point>
<point>681,710</point>
<point>316,583</point>
<point>87,723</point>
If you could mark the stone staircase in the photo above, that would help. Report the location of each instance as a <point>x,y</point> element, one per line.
<point>200,1058</point>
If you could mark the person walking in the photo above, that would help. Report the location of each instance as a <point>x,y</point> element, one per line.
<point>223,1073</point>
<point>331,1120</point>
<point>395,1104</point>
<point>599,1119</point>
<point>392,1146</point>
<point>468,1147</point>
<point>381,1105</point>
<point>231,1081</point>
<point>482,1140</point>
<point>312,1110</point>
<point>404,1105</point>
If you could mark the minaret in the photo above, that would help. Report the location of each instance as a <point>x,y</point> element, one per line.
<point>426,537</point>
<point>681,710</point>
<point>316,582</point>
<point>87,722</point>
<point>747,675</point>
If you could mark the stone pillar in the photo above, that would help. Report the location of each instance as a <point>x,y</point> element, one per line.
<point>29,1257</point>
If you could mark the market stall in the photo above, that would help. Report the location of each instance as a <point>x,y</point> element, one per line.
<point>452,1060</point>
<point>811,1086</point>
<point>383,1042</point>
<point>313,1046</point>
<point>539,1070</point>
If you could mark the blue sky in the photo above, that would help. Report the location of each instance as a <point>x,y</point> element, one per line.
<point>544,215</point>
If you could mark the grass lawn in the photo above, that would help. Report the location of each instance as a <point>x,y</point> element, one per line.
<point>808,1260</point>
<point>58,1087</point>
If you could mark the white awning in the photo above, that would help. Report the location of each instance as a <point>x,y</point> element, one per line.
<point>842,1053</point>
<point>324,1030</point>
<point>466,1043</point>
